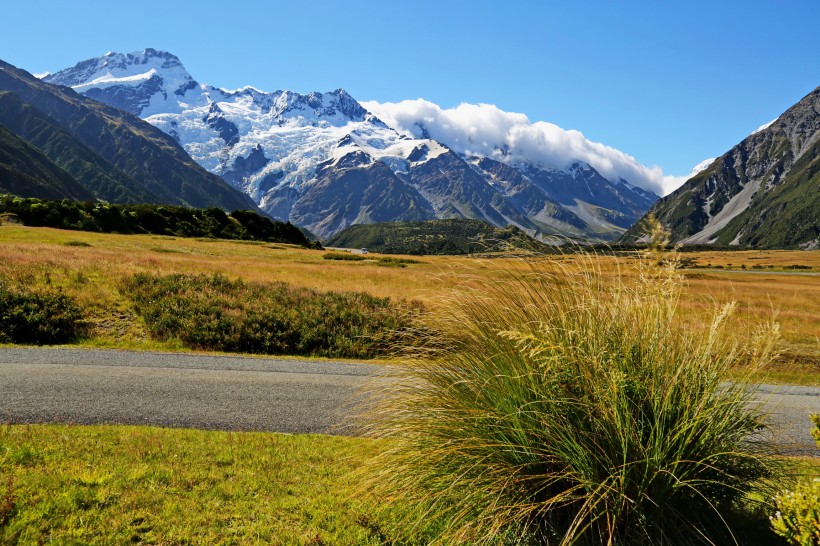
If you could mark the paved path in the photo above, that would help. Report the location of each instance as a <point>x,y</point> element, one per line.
<point>236,393</point>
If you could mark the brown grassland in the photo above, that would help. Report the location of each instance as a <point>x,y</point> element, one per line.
<point>91,267</point>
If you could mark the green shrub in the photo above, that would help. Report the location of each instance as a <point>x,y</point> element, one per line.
<point>815,432</point>
<point>215,313</point>
<point>560,406</point>
<point>798,512</point>
<point>343,256</point>
<point>384,261</point>
<point>390,261</point>
<point>39,318</point>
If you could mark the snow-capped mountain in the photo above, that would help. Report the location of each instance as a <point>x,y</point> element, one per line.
<point>114,156</point>
<point>323,161</point>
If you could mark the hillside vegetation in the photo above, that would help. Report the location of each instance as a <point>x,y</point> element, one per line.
<point>25,171</point>
<point>153,219</point>
<point>453,237</point>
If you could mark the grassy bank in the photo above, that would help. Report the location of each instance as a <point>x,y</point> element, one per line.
<point>560,398</point>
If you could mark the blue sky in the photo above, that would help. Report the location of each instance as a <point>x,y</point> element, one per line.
<point>670,83</point>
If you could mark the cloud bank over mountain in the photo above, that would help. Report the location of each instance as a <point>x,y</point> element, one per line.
<point>486,130</point>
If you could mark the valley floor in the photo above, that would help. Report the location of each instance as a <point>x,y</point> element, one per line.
<point>766,285</point>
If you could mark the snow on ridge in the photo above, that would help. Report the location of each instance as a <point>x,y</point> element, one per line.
<point>510,137</point>
<point>763,127</point>
<point>295,132</point>
<point>672,183</point>
<point>108,79</point>
<point>242,89</point>
<point>702,166</point>
<point>298,131</point>
<point>119,65</point>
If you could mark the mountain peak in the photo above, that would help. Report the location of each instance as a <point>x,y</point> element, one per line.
<point>337,107</point>
<point>132,81</point>
<point>114,64</point>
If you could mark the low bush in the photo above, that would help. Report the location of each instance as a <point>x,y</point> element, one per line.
<point>39,318</point>
<point>798,511</point>
<point>798,514</point>
<point>343,256</point>
<point>390,260</point>
<point>561,406</point>
<point>384,261</point>
<point>216,313</point>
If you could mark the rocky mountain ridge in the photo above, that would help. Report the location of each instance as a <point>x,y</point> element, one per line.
<point>764,192</point>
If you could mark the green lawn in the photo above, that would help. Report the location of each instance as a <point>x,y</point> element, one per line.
<point>118,484</point>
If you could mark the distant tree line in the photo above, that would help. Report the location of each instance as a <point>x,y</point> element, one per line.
<point>153,219</point>
<point>449,236</point>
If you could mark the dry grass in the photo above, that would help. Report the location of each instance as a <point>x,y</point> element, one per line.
<point>92,274</point>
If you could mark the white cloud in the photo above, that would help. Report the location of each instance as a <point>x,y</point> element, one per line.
<point>486,130</point>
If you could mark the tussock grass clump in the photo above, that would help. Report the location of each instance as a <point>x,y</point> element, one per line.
<point>43,317</point>
<point>212,312</point>
<point>561,405</point>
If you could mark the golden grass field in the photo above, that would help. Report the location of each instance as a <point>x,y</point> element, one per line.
<point>91,266</point>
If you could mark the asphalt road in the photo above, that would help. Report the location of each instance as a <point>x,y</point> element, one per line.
<point>235,393</point>
<point>176,390</point>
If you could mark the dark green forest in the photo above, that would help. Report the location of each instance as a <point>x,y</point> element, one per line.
<point>149,219</point>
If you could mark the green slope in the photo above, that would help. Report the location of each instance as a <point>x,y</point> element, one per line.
<point>97,175</point>
<point>25,171</point>
<point>454,236</point>
<point>789,216</point>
